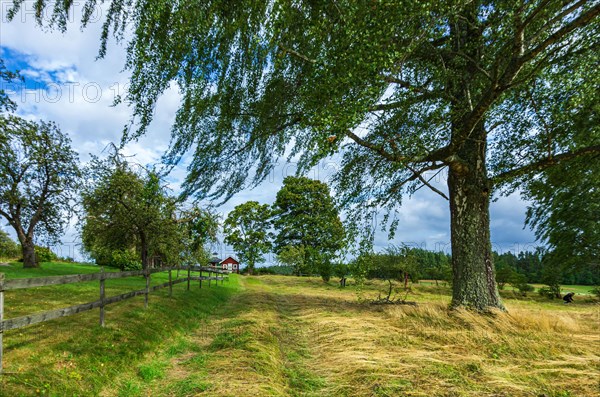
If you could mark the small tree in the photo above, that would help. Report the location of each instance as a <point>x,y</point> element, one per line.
<point>127,209</point>
<point>552,275</point>
<point>519,282</point>
<point>396,264</point>
<point>246,229</point>
<point>39,178</point>
<point>341,270</point>
<point>504,275</point>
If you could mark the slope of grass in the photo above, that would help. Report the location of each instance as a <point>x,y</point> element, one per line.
<point>74,355</point>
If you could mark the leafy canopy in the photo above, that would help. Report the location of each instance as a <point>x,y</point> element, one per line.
<point>400,86</point>
<point>305,217</point>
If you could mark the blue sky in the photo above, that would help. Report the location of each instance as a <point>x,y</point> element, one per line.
<point>65,83</point>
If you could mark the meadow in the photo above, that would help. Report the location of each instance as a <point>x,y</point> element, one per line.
<point>289,336</point>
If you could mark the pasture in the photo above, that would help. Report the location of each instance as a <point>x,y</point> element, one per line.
<point>289,336</point>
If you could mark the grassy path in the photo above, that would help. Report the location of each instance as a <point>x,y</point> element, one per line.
<point>256,346</point>
<point>288,336</point>
<point>298,337</point>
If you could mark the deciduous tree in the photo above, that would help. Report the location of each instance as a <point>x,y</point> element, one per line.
<point>125,208</point>
<point>39,178</point>
<point>247,231</point>
<point>305,216</point>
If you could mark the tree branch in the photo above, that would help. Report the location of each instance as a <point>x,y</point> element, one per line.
<point>544,163</point>
<point>404,84</point>
<point>297,54</point>
<point>378,149</point>
<point>582,20</point>
<point>418,175</point>
<point>6,215</point>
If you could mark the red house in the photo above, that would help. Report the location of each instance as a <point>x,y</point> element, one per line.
<point>230,264</point>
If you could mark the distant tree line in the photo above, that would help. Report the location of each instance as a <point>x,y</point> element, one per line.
<point>530,267</point>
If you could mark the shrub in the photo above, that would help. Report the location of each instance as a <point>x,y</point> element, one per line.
<point>8,248</point>
<point>44,254</point>
<point>550,292</point>
<point>524,288</point>
<point>519,282</point>
<point>126,260</point>
<point>596,291</point>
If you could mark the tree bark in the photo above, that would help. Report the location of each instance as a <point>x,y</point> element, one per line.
<point>28,249</point>
<point>144,249</point>
<point>474,284</point>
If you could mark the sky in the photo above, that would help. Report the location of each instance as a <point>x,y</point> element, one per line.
<point>65,83</point>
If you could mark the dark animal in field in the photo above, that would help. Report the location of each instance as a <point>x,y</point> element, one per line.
<point>568,298</point>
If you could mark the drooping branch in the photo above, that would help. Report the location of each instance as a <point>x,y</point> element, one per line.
<point>545,163</point>
<point>419,175</point>
<point>376,148</point>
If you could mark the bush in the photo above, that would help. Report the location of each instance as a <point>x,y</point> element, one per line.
<point>519,281</point>
<point>524,288</point>
<point>549,292</point>
<point>325,270</point>
<point>8,248</point>
<point>596,291</point>
<point>126,260</point>
<point>44,254</point>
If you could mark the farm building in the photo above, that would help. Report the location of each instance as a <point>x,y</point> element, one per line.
<point>229,263</point>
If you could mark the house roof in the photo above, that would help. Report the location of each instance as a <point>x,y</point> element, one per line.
<point>214,259</point>
<point>230,259</point>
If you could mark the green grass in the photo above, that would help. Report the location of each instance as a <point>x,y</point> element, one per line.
<point>75,356</point>
<point>578,289</point>
<point>290,336</point>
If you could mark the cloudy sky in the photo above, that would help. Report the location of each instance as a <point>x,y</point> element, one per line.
<point>65,83</point>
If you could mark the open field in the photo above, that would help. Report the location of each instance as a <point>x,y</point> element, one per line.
<point>578,289</point>
<point>288,336</point>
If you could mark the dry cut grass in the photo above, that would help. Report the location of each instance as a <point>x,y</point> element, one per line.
<point>287,336</point>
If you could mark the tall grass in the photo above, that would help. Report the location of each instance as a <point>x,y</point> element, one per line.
<point>289,336</point>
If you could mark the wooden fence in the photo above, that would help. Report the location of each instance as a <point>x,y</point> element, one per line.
<point>23,283</point>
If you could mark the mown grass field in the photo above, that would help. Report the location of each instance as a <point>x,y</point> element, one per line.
<point>288,336</point>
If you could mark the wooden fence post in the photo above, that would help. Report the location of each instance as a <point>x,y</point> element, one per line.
<point>102,294</point>
<point>200,276</point>
<point>170,284</point>
<point>147,275</point>
<point>188,278</point>
<point>209,274</point>
<point>1,315</point>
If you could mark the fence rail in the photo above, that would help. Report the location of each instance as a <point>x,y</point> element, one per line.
<point>23,283</point>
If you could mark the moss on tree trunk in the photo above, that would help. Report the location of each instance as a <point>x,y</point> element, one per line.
<point>474,284</point>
